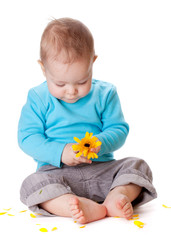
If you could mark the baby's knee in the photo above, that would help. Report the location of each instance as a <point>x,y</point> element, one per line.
<point>143,167</point>
<point>140,165</point>
<point>25,188</point>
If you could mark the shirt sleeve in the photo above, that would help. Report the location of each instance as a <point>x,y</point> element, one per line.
<point>31,133</point>
<point>115,129</point>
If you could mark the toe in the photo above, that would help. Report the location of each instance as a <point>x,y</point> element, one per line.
<point>82,220</point>
<point>78,215</point>
<point>73,201</point>
<point>122,202</point>
<point>127,206</point>
<point>74,212</point>
<point>74,207</point>
<point>128,213</point>
<point>128,216</point>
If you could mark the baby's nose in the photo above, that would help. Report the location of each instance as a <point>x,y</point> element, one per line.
<point>71,90</point>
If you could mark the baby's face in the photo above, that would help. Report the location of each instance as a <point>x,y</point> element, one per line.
<point>69,82</point>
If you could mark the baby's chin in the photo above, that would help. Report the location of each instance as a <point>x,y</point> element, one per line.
<point>74,100</point>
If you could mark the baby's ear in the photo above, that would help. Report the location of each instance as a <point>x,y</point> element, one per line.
<point>42,66</point>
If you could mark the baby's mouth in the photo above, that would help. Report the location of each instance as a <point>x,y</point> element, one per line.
<point>72,99</point>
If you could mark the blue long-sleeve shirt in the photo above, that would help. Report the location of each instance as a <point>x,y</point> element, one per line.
<point>47,124</point>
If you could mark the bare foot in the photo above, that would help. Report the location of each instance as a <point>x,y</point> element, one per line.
<point>120,206</point>
<point>118,201</point>
<point>124,206</point>
<point>85,210</point>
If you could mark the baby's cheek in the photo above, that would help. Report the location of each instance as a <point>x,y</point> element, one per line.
<point>84,90</point>
<point>56,92</point>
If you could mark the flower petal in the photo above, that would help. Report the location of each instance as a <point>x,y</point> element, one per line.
<point>78,154</point>
<point>23,211</point>
<point>32,215</point>
<point>85,152</point>
<point>90,135</point>
<point>98,143</point>
<point>83,226</point>
<point>6,209</point>
<point>77,140</point>
<point>139,224</point>
<point>75,147</point>
<point>87,135</point>
<point>43,230</point>
<point>95,155</point>
<point>165,206</point>
<point>55,228</point>
<point>92,155</point>
<point>134,217</point>
<point>2,213</point>
<point>94,139</point>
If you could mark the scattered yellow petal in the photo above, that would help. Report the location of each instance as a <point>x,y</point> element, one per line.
<point>139,224</point>
<point>40,191</point>
<point>165,206</point>
<point>134,218</point>
<point>83,226</point>
<point>23,211</point>
<point>32,215</point>
<point>136,215</point>
<point>38,224</point>
<point>7,209</point>
<point>116,217</point>
<point>43,230</point>
<point>10,215</point>
<point>38,213</point>
<point>55,228</point>
<point>75,221</point>
<point>2,213</point>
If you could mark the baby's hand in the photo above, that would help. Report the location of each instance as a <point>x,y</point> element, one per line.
<point>69,158</point>
<point>95,150</point>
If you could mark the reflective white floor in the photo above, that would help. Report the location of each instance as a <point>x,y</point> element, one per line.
<point>155,217</point>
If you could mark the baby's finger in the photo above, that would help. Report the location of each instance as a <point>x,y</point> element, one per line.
<point>93,150</point>
<point>84,160</point>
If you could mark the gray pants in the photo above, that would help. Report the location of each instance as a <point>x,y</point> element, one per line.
<point>92,181</point>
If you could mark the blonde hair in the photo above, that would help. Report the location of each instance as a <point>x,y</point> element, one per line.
<point>68,38</point>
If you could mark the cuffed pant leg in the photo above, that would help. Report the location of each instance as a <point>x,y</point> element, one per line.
<point>38,188</point>
<point>136,171</point>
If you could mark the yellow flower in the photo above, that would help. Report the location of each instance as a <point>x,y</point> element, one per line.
<point>85,145</point>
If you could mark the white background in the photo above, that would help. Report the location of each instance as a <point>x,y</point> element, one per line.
<point>133,44</point>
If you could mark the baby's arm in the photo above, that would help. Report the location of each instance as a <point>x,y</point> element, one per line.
<point>31,133</point>
<point>115,129</point>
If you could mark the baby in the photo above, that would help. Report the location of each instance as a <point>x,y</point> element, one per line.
<point>70,103</point>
